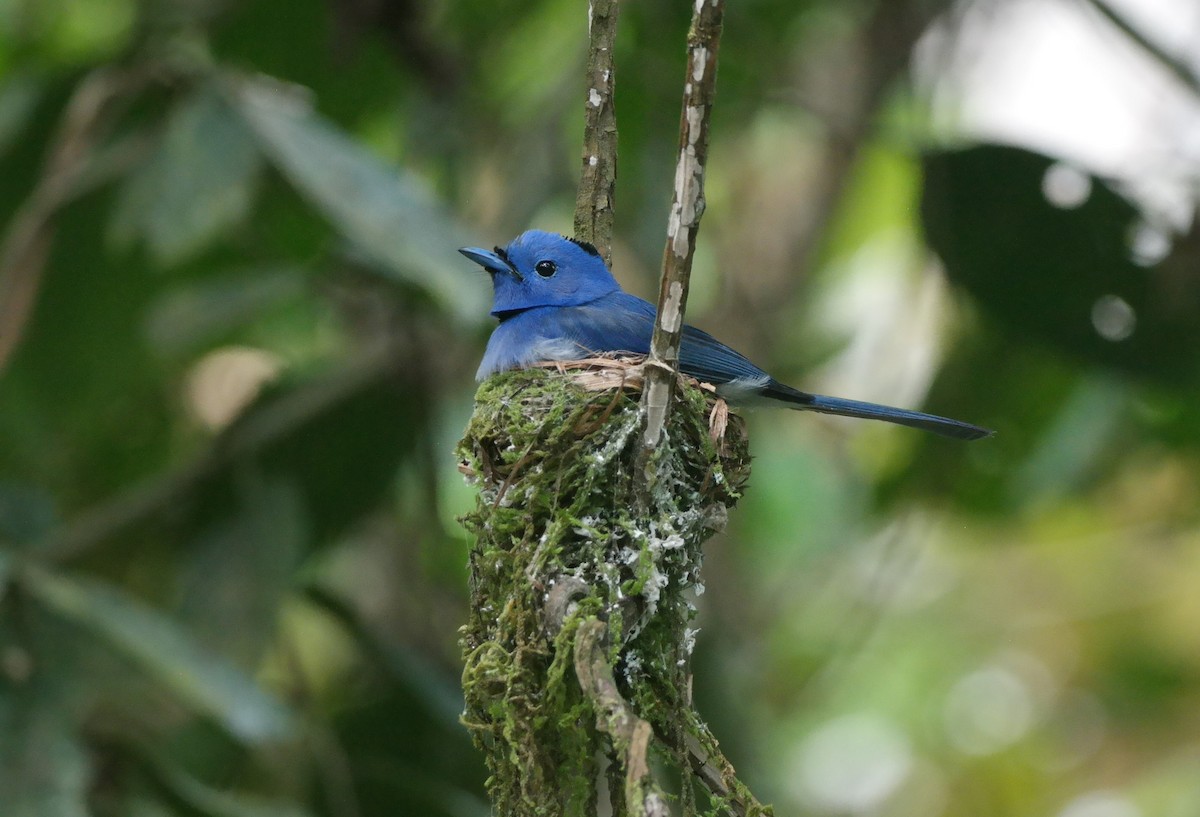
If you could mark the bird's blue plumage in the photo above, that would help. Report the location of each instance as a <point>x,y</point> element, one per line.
<point>556,300</point>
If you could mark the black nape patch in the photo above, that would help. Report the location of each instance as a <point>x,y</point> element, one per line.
<point>590,249</point>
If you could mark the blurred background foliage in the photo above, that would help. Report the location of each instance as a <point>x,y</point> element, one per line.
<point>237,345</point>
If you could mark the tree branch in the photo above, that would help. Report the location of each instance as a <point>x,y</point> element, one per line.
<point>717,774</point>
<point>687,206</point>
<point>630,734</point>
<point>27,241</point>
<point>598,172</point>
<point>1180,69</point>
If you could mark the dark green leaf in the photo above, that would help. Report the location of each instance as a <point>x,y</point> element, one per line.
<point>162,648</point>
<point>344,457</point>
<point>43,768</point>
<point>190,316</point>
<point>238,568</point>
<point>84,407</point>
<point>200,182</point>
<point>18,98</point>
<point>212,802</point>
<point>387,213</point>
<point>1063,275</point>
<point>27,513</point>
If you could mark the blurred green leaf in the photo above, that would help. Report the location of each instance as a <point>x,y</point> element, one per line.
<point>408,762</point>
<point>529,56</point>
<point>77,31</point>
<point>211,802</point>
<point>386,213</point>
<point>202,679</point>
<point>339,439</point>
<point>237,570</point>
<point>27,513</point>
<point>352,69</point>
<point>1144,682</point>
<point>191,316</point>
<point>143,806</point>
<point>800,487</point>
<point>44,769</point>
<point>1070,448</point>
<point>440,696</point>
<point>200,182</point>
<point>85,406</point>
<point>19,96</point>
<point>1022,391</point>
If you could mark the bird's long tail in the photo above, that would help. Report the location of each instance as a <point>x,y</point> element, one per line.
<point>873,411</point>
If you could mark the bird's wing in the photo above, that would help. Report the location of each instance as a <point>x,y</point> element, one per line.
<point>621,322</point>
<point>618,322</point>
<point>705,358</point>
<point>624,323</point>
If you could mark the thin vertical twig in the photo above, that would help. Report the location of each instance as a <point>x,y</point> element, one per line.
<point>687,206</point>
<point>1178,67</point>
<point>598,172</point>
<point>26,244</point>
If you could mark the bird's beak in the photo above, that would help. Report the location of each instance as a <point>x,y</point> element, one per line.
<point>493,262</point>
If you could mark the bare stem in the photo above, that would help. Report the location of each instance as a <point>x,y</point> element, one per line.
<point>687,206</point>
<point>1179,68</point>
<point>598,173</point>
<point>26,244</point>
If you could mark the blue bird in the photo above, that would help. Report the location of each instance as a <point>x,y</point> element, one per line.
<point>556,300</point>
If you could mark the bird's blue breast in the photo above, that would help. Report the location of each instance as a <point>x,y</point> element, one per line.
<point>608,324</point>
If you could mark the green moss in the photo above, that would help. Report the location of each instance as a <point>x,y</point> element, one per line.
<point>564,530</point>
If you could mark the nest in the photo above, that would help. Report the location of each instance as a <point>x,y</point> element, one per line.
<point>567,525</point>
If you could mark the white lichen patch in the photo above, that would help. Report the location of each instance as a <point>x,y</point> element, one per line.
<point>689,639</point>
<point>687,195</point>
<point>617,443</point>
<point>672,314</point>
<point>695,115</point>
<point>699,60</point>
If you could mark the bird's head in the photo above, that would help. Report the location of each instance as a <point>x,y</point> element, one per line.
<point>543,269</point>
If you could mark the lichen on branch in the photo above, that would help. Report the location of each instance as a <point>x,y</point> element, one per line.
<point>562,540</point>
<point>687,206</point>
<point>598,168</point>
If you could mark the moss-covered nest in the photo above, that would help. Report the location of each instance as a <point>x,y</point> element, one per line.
<point>572,522</point>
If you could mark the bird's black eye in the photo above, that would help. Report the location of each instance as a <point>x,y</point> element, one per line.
<point>546,268</point>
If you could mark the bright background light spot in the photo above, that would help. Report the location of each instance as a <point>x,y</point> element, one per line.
<point>227,380</point>
<point>852,763</point>
<point>1148,245</point>
<point>1113,318</point>
<point>1065,186</point>
<point>988,710</point>
<point>1101,804</point>
<point>1056,77</point>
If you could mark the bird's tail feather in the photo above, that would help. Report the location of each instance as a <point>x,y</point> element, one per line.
<point>873,411</point>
